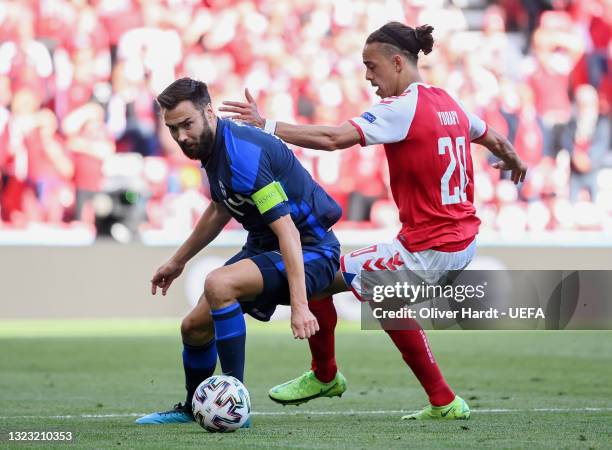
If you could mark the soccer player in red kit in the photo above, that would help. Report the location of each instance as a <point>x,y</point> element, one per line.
<point>426,135</point>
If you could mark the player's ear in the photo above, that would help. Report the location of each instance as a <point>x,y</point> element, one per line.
<point>397,61</point>
<point>208,111</point>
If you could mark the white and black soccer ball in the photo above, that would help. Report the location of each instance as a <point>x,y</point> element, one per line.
<point>221,404</point>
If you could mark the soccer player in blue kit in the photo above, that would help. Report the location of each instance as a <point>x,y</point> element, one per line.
<point>290,253</point>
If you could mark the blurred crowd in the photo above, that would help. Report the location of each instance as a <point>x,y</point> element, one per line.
<point>81,141</point>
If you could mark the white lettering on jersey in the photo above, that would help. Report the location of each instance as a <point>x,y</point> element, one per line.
<point>478,127</point>
<point>448,117</point>
<point>233,204</point>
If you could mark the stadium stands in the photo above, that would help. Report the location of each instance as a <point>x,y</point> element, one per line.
<point>82,147</point>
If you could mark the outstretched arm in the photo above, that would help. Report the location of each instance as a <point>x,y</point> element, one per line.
<point>503,149</point>
<point>317,137</point>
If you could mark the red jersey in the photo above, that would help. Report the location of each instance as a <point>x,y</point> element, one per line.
<point>426,134</point>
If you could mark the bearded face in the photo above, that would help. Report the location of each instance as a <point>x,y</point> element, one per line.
<point>191,129</point>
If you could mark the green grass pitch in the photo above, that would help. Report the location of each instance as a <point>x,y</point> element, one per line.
<point>526,389</point>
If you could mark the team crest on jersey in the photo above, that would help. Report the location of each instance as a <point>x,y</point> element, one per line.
<point>369,117</point>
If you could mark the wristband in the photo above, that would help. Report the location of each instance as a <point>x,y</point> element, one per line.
<point>270,126</point>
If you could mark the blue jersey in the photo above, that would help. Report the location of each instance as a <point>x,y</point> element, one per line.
<point>259,179</point>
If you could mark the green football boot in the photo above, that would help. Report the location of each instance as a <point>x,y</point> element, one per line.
<point>458,409</point>
<point>307,387</point>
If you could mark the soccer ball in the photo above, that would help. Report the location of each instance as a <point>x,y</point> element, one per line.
<point>221,404</point>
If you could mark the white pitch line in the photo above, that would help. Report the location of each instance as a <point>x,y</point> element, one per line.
<point>319,413</point>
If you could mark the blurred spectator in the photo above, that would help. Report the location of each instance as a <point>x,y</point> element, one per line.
<point>25,60</point>
<point>90,145</point>
<point>533,10</point>
<point>588,139</point>
<point>49,168</point>
<point>557,47</point>
<point>20,121</point>
<point>363,180</point>
<point>131,114</point>
<point>524,131</point>
<point>498,53</point>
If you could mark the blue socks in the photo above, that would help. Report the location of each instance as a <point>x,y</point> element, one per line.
<point>199,362</point>
<point>230,334</point>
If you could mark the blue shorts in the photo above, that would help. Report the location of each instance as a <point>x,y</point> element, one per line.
<point>321,263</point>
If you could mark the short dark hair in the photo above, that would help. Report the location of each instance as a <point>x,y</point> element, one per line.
<point>406,39</point>
<point>184,89</point>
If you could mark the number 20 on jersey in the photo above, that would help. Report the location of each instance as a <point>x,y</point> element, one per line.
<point>457,155</point>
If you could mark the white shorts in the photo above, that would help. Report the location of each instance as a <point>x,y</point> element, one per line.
<point>430,265</point>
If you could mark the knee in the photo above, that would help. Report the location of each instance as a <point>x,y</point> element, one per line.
<point>194,330</point>
<point>219,289</point>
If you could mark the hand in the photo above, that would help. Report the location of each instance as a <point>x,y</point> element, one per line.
<point>165,275</point>
<point>245,112</point>
<point>518,168</point>
<point>303,323</point>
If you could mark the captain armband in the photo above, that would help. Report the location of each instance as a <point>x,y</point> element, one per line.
<point>269,196</point>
